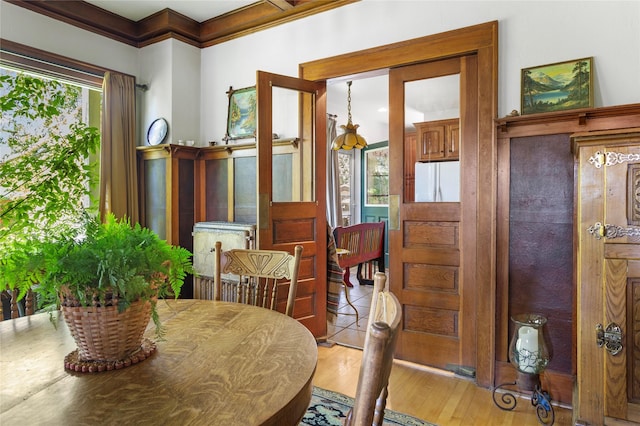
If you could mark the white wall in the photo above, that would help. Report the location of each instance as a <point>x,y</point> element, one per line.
<point>156,102</point>
<point>171,70</point>
<point>530,33</point>
<point>20,25</point>
<point>186,92</point>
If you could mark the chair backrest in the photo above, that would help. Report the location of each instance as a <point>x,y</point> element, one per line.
<point>254,276</point>
<point>377,357</point>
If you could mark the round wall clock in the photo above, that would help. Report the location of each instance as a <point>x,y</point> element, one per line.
<point>157,131</point>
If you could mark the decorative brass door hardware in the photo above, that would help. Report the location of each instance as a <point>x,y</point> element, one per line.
<point>610,338</point>
<point>611,158</point>
<point>612,231</point>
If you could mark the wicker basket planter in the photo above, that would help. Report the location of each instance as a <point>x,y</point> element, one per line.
<point>107,339</point>
<point>107,276</point>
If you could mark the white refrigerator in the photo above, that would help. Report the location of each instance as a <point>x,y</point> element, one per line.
<point>438,181</point>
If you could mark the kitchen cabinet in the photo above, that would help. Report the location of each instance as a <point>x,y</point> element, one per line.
<point>438,140</point>
<point>409,166</point>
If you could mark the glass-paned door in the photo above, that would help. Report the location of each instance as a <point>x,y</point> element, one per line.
<point>347,186</point>
<point>291,155</point>
<point>375,187</point>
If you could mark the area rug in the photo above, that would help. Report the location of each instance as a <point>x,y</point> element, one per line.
<point>330,408</point>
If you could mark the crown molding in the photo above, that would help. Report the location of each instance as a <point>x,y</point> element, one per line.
<point>169,24</point>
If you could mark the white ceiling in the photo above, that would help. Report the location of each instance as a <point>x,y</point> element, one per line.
<point>425,100</point>
<point>198,10</point>
<point>369,92</point>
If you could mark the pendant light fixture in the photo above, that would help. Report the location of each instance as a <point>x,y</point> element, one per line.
<point>349,139</point>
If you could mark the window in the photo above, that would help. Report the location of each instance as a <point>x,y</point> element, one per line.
<point>45,153</point>
<point>347,189</point>
<point>377,177</point>
<point>19,135</point>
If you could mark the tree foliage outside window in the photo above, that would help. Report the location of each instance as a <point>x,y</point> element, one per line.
<point>45,176</point>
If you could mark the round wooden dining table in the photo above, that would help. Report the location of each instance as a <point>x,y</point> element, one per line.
<point>219,364</point>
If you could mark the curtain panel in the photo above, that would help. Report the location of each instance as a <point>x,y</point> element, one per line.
<point>118,175</point>
<point>334,210</point>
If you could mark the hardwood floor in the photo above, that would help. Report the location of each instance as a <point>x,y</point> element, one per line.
<point>433,395</point>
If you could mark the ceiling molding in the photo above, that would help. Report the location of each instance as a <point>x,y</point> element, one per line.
<point>26,58</point>
<point>169,24</point>
<point>86,16</point>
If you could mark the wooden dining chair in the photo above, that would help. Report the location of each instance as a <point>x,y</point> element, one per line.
<point>12,308</point>
<point>255,276</point>
<point>385,316</point>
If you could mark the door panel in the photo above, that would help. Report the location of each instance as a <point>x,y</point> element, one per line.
<point>622,399</point>
<point>608,277</point>
<point>375,192</point>
<point>428,272</point>
<point>294,212</point>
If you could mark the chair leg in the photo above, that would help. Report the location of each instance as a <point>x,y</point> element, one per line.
<point>367,277</point>
<point>15,312</point>
<point>347,277</point>
<point>346,295</point>
<point>29,303</point>
<point>381,403</point>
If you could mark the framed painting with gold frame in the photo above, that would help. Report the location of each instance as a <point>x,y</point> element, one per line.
<point>241,115</point>
<point>557,87</point>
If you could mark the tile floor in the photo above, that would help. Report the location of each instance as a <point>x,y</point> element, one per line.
<point>342,328</point>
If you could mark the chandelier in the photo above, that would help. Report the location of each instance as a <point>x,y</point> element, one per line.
<point>350,138</point>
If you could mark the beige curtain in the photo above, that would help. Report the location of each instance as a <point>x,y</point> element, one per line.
<point>118,176</point>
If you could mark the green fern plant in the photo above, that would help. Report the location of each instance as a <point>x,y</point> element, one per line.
<point>48,241</point>
<point>102,264</point>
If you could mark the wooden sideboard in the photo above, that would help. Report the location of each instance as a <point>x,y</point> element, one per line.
<point>535,242</point>
<point>166,189</point>
<point>608,276</point>
<point>166,182</point>
<point>180,186</point>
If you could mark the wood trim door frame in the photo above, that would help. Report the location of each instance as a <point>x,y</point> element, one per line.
<point>481,40</point>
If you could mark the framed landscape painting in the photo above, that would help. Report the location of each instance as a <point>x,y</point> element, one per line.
<point>241,118</point>
<point>557,87</point>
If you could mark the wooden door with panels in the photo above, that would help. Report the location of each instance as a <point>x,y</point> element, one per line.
<point>294,108</point>
<point>480,41</point>
<point>608,277</point>
<point>432,240</point>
